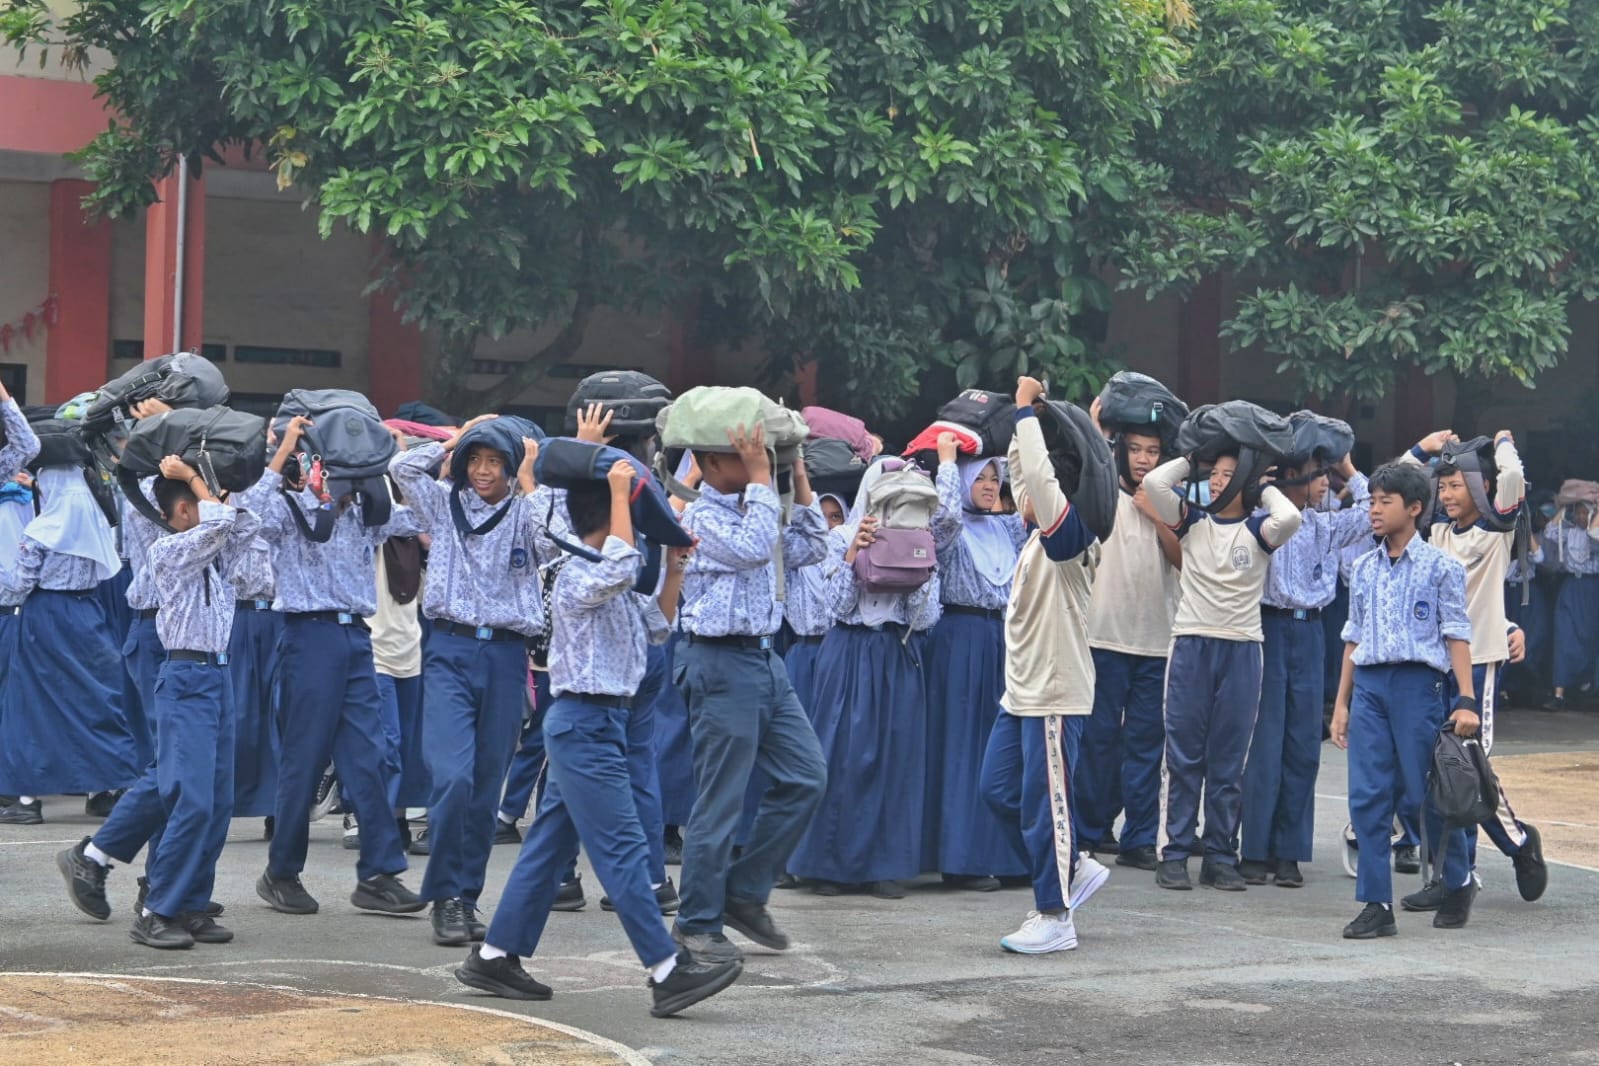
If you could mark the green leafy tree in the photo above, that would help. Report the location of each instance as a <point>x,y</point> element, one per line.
<point>1400,183</point>
<point>527,162</point>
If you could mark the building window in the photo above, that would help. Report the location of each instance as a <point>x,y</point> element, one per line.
<point>15,378</point>
<point>134,350</point>
<point>320,358</point>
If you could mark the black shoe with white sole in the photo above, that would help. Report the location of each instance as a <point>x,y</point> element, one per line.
<point>1532,873</point>
<point>205,929</point>
<point>1406,859</point>
<point>449,923</point>
<point>569,897</point>
<point>708,947</point>
<point>154,931</point>
<point>212,909</point>
<point>665,898</point>
<point>1373,922</point>
<point>690,981</point>
<point>754,921</point>
<point>386,894</point>
<point>503,977</point>
<point>85,881</point>
<point>286,895</point>
<point>1222,876</point>
<point>420,845</point>
<point>19,813</point>
<point>506,832</point>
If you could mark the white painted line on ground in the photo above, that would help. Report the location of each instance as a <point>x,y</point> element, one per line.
<point>622,1051</point>
<point>35,843</point>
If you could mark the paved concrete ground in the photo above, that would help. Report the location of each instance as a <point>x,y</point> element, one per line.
<point>1199,977</point>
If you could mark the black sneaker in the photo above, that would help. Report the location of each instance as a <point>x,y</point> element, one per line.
<point>23,813</point>
<point>1142,857</point>
<point>1456,907</point>
<point>1222,876</point>
<point>1532,873</point>
<point>665,898</point>
<point>1371,923</point>
<point>569,897</point>
<point>212,909</point>
<point>1173,874</point>
<point>1556,703</point>
<point>268,827</point>
<point>674,850</point>
<point>420,845</point>
<point>1288,875</point>
<point>99,804</point>
<point>754,921</point>
<point>449,923</point>
<point>707,947</point>
<point>1406,859</point>
<point>205,930</point>
<point>883,890</point>
<point>1253,873</point>
<point>690,981</point>
<point>387,894</point>
<point>503,977</point>
<point>506,832</point>
<point>474,928</point>
<point>1429,898</point>
<point>286,895</point>
<point>788,881</point>
<point>85,881</point>
<point>154,931</point>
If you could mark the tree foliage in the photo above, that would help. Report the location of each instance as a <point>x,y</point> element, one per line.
<point>1401,183</point>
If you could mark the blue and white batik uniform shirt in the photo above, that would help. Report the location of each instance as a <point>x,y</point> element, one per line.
<point>1303,573</point>
<point>21,445</point>
<point>1403,610</point>
<point>197,601</point>
<point>601,628</point>
<point>961,582</point>
<point>730,587</point>
<point>138,533</point>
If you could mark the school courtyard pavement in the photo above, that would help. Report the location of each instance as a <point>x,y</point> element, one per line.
<point>1202,977</point>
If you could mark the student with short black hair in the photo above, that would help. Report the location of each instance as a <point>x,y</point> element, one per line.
<point>1213,679</point>
<point>1408,630</point>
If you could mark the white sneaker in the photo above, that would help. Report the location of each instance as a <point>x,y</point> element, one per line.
<point>1041,934</point>
<point>1091,877</point>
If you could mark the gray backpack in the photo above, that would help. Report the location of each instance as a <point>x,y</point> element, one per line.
<point>347,446</point>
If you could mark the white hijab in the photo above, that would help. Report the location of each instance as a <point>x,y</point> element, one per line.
<point>875,607</point>
<point>987,536</point>
<point>70,522</point>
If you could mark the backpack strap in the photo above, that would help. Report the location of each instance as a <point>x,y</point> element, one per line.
<point>318,533</point>
<point>129,482</point>
<point>464,525</point>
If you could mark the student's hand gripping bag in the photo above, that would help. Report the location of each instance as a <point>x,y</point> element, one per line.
<point>982,422</point>
<point>348,445</point>
<point>1260,437</point>
<point>503,434</point>
<point>226,447</point>
<point>902,557</point>
<point>179,380</point>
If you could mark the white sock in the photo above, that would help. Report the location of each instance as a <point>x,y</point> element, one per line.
<point>489,951</point>
<point>25,800</point>
<point>95,855</point>
<point>146,912</point>
<point>506,818</point>
<point>657,884</point>
<point>664,970</point>
<point>1387,906</point>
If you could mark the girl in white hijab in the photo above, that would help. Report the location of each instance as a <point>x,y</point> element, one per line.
<point>965,673</point>
<point>869,709</point>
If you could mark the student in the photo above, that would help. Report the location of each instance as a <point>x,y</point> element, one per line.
<point>597,653</point>
<point>1571,535</point>
<point>869,708</point>
<point>330,708</point>
<point>192,777</point>
<point>1213,679</point>
<point>1279,814</point>
<point>1408,628</point>
<point>16,511</point>
<point>1049,675</point>
<point>742,708</point>
<point>832,508</point>
<point>253,665</point>
<point>1129,629</point>
<point>483,597</point>
<point>964,666</point>
<point>63,724</point>
<point>808,611</point>
<point>1485,553</point>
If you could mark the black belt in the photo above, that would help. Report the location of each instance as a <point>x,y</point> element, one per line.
<point>981,612</point>
<point>338,618</point>
<point>766,643</point>
<point>254,605</point>
<point>198,657</point>
<point>805,638</point>
<point>621,703</point>
<point>149,615</point>
<point>456,629</point>
<point>11,610</point>
<point>881,627</point>
<point>1298,614</point>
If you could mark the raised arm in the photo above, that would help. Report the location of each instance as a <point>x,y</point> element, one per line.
<point>413,473</point>
<point>1510,487</point>
<point>1160,484</point>
<point>21,445</point>
<point>1282,517</point>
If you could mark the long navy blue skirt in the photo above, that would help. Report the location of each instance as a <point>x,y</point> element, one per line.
<point>870,715</point>
<point>965,676</point>
<point>253,664</point>
<point>674,750</point>
<point>8,636</point>
<point>63,727</point>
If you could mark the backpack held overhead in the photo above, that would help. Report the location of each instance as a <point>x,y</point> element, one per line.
<point>833,466</point>
<point>227,447</point>
<point>346,451</point>
<point>983,424</point>
<point>1084,464</point>
<point>1318,439</point>
<point>504,435</point>
<point>61,444</point>
<point>1134,402</point>
<point>633,399</point>
<point>1259,437</point>
<point>1475,460</point>
<point>902,557</point>
<point>827,424</point>
<point>180,380</point>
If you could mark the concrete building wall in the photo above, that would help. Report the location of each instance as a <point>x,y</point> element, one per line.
<point>24,273</point>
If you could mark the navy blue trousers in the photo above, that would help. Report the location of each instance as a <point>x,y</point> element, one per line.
<point>744,715</point>
<point>475,692</point>
<point>1576,631</point>
<point>674,746</point>
<point>253,664</point>
<point>1124,741</point>
<point>1532,673</point>
<point>1212,694</point>
<point>527,765</point>
<point>1016,783</point>
<point>1394,719</point>
<point>587,798</point>
<point>194,771</point>
<point>331,710</point>
<point>1285,754</point>
<point>143,655</point>
<point>402,707</point>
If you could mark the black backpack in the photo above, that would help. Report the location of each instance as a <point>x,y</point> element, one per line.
<point>991,415</point>
<point>633,398</point>
<point>1260,437</point>
<point>1134,402</point>
<point>226,447</point>
<point>1461,785</point>
<point>833,467</point>
<point>1318,438</point>
<point>180,380</point>
<point>1475,460</point>
<point>1083,462</point>
<point>504,435</point>
<point>353,448</point>
<point>62,444</point>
